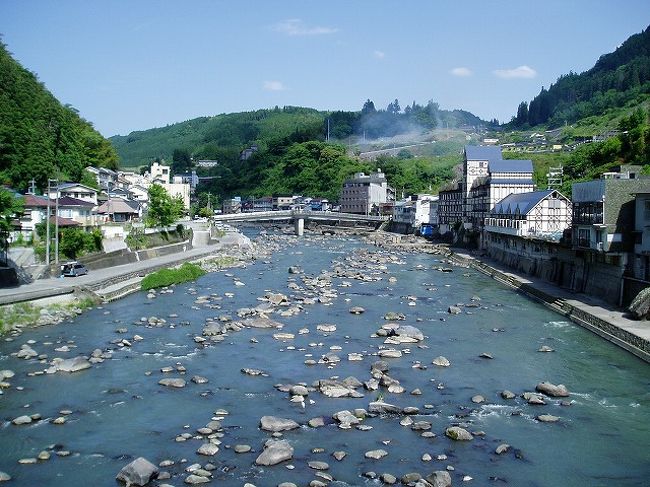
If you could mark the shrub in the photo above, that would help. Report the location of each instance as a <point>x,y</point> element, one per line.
<point>167,277</point>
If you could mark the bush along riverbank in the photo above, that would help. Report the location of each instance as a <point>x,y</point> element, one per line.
<point>166,277</point>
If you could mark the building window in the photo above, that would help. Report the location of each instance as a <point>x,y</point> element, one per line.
<point>646,210</point>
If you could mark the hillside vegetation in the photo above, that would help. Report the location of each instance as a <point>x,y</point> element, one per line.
<point>618,79</point>
<point>39,137</point>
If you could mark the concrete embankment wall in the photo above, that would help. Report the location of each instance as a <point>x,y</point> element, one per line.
<point>619,336</point>
<point>562,267</point>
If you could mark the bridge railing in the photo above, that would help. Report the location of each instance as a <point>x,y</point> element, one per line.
<point>297,214</point>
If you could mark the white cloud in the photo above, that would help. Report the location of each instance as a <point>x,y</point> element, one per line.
<point>461,71</point>
<point>379,54</point>
<point>296,27</point>
<point>273,86</point>
<point>519,72</point>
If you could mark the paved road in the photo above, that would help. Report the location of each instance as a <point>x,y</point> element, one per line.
<point>55,286</point>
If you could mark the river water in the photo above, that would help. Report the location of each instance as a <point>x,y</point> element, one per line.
<point>120,412</point>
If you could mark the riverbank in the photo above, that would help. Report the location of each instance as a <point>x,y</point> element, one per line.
<point>596,315</point>
<point>51,301</point>
<point>589,312</point>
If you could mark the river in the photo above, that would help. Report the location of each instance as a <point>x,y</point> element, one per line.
<point>117,411</point>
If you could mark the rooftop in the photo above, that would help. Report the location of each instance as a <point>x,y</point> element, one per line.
<point>483,153</point>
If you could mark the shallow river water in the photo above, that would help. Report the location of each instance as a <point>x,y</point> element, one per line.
<point>119,412</point>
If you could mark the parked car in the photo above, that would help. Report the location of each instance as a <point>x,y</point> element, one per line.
<point>73,269</point>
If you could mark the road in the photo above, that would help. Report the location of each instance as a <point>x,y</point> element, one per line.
<point>55,286</point>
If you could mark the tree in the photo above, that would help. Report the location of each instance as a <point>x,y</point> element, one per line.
<point>89,179</point>
<point>181,161</point>
<point>10,206</point>
<point>163,209</point>
<point>368,107</point>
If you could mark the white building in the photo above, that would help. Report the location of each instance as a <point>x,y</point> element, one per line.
<point>105,177</point>
<point>76,191</point>
<point>415,210</point>
<point>159,173</point>
<point>363,193</point>
<point>537,214</point>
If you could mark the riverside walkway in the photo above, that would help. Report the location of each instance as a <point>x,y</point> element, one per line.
<point>604,319</point>
<point>110,279</point>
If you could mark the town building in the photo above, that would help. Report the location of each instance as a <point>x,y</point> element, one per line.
<point>105,177</point>
<point>282,202</point>
<point>159,173</point>
<point>206,163</point>
<point>604,212</point>
<point>118,210</point>
<point>232,205</point>
<point>411,213</point>
<point>362,194</point>
<point>76,191</point>
<point>487,178</point>
<point>190,178</point>
<point>538,214</point>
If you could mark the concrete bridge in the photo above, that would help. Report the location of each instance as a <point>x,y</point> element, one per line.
<point>298,217</point>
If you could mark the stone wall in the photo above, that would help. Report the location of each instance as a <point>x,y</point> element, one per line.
<point>559,265</point>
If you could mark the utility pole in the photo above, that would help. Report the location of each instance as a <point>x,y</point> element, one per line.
<point>56,221</point>
<point>47,226</point>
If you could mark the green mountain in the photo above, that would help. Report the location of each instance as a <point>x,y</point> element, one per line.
<point>221,137</point>
<point>39,137</point>
<point>617,80</point>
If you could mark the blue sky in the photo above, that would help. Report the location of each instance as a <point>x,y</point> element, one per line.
<point>136,64</point>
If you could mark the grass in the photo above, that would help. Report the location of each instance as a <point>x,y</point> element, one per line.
<point>25,314</point>
<point>167,277</point>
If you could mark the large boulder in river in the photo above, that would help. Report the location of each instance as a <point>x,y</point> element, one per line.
<point>275,451</point>
<point>552,390</point>
<point>260,322</point>
<point>410,332</point>
<point>459,434</point>
<point>439,478</point>
<point>275,424</point>
<point>72,364</point>
<point>139,472</point>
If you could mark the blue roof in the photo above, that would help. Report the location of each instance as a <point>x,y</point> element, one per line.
<point>511,181</point>
<point>511,165</point>
<point>483,153</point>
<point>524,201</point>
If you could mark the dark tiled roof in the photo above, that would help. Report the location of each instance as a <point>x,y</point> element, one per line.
<point>69,201</point>
<point>32,200</point>
<point>494,181</point>
<point>65,222</point>
<point>483,153</point>
<point>524,201</point>
<point>511,165</point>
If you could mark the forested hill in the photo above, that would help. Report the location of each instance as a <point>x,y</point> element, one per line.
<point>222,137</point>
<point>618,79</point>
<point>39,137</point>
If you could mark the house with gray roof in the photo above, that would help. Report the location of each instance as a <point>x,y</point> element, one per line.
<point>537,214</point>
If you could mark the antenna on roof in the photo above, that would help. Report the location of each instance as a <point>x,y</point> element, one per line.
<point>554,177</point>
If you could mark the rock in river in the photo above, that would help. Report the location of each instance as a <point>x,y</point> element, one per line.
<point>139,472</point>
<point>177,383</point>
<point>439,478</point>
<point>275,424</point>
<point>441,362</point>
<point>552,390</point>
<point>72,364</point>
<point>275,451</point>
<point>459,434</point>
